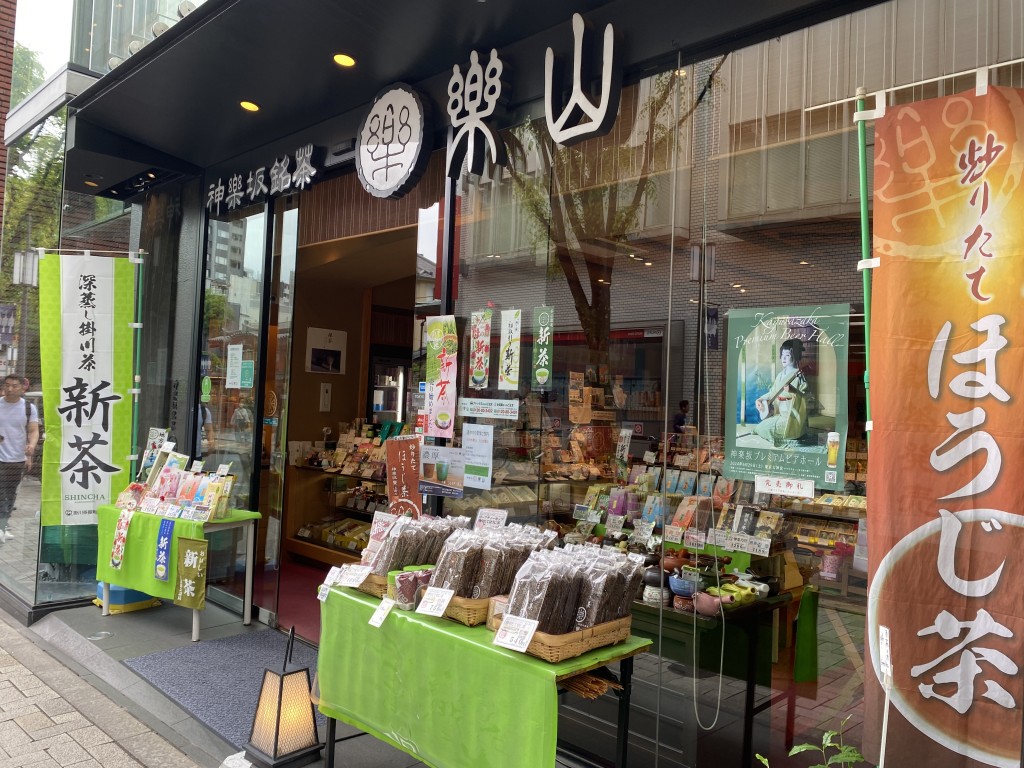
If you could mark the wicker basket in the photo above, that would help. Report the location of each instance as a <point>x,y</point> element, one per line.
<point>467,611</point>
<point>375,585</point>
<point>556,648</point>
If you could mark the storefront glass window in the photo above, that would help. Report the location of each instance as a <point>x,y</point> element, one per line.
<point>42,43</point>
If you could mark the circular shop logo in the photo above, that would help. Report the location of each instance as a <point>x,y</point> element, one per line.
<point>391,146</point>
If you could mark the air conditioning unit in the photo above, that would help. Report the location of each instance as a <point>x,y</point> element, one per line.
<point>185,7</point>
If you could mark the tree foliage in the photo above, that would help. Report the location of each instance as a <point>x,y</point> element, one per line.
<point>587,199</point>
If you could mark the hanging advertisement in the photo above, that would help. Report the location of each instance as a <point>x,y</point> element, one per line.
<point>480,351</point>
<point>403,467</point>
<point>442,342</point>
<point>543,329</point>
<point>786,389</point>
<point>508,353</point>
<point>945,493</point>
<point>86,306</point>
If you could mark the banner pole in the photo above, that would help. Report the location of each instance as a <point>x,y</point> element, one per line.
<point>140,264</point>
<point>865,250</point>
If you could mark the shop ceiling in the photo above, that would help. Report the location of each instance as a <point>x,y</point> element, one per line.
<point>173,108</point>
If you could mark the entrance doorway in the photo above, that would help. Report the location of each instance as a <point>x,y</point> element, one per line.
<point>353,334</point>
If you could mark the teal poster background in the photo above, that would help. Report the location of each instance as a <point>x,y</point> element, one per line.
<point>786,434</point>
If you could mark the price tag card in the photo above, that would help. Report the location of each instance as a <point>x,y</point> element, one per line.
<point>642,531</point>
<point>435,601</point>
<point>580,512</point>
<point>614,523</point>
<point>636,557</point>
<point>323,592</point>
<point>354,575</point>
<point>674,534</point>
<point>884,651</point>
<point>223,469</point>
<point>681,460</point>
<point>382,612</point>
<point>694,539</point>
<point>490,518</point>
<point>611,547</point>
<point>515,633</point>
<point>197,466</point>
<point>585,528</point>
<point>650,457</point>
<point>756,545</point>
<point>594,516</point>
<point>333,575</point>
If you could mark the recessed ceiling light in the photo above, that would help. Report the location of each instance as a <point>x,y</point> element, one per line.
<point>344,60</point>
<point>632,255</point>
<point>151,174</point>
<point>600,279</point>
<point>249,106</point>
<point>805,263</point>
<point>743,290</point>
<point>91,184</point>
<point>648,263</point>
<point>737,285</point>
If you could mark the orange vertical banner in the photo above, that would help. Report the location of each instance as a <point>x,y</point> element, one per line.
<point>945,488</point>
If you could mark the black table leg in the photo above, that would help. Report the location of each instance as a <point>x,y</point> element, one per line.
<point>622,734</point>
<point>331,742</point>
<point>748,712</point>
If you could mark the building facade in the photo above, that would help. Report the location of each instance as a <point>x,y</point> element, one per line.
<point>620,259</point>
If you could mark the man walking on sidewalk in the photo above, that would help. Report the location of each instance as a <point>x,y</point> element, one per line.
<point>19,434</point>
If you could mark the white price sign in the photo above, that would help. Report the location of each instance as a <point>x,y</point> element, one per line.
<point>515,633</point>
<point>354,575</point>
<point>490,518</point>
<point>435,601</point>
<point>694,539</point>
<point>784,486</point>
<point>674,534</point>
<point>323,592</point>
<point>642,531</point>
<point>884,651</point>
<point>614,523</point>
<point>650,457</point>
<point>333,575</point>
<point>382,612</point>
<point>636,557</point>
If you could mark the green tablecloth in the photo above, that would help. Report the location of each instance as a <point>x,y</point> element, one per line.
<point>137,569</point>
<point>440,691</point>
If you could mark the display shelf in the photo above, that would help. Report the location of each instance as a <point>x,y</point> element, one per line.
<point>320,552</point>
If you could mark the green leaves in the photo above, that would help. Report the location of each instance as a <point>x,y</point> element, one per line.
<point>842,754</point>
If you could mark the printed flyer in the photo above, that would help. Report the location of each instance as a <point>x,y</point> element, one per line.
<point>442,471</point>
<point>508,353</point>
<point>786,386</point>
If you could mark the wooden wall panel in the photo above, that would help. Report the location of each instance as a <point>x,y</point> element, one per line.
<point>340,207</point>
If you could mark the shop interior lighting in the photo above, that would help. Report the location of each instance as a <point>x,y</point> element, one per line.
<point>737,285</point>
<point>249,106</point>
<point>805,263</point>
<point>743,290</point>
<point>648,263</point>
<point>284,726</point>
<point>344,60</point>
<point>91,184</point>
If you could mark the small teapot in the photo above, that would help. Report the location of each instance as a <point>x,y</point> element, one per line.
<point>707,604</point>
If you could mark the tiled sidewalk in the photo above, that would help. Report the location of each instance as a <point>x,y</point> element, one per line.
<point>51,716</point>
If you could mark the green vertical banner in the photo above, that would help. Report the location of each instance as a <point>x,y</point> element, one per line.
<point>442,363</point>
<point>543,331</point>
<point>786,388</point>
<point>86,311</point>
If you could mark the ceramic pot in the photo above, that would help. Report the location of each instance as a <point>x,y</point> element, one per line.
<point>710,605</point>
<point>655,577</point>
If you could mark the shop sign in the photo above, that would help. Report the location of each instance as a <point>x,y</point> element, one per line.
<point>543,327</point>
<point>403,468</point>
<point>583,115</point>
<point>784,365</point>
<point>489,409</point>
<point>284,175</point>
<point>85,368</point>
<point>946,528</point>
<point>508,352</point>
<point>471,99</point>
<point>442,362</point>
<point>480,349</point>
<point>393,143</point>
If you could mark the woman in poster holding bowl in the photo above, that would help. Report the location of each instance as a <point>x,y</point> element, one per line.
<point>783,408</point>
